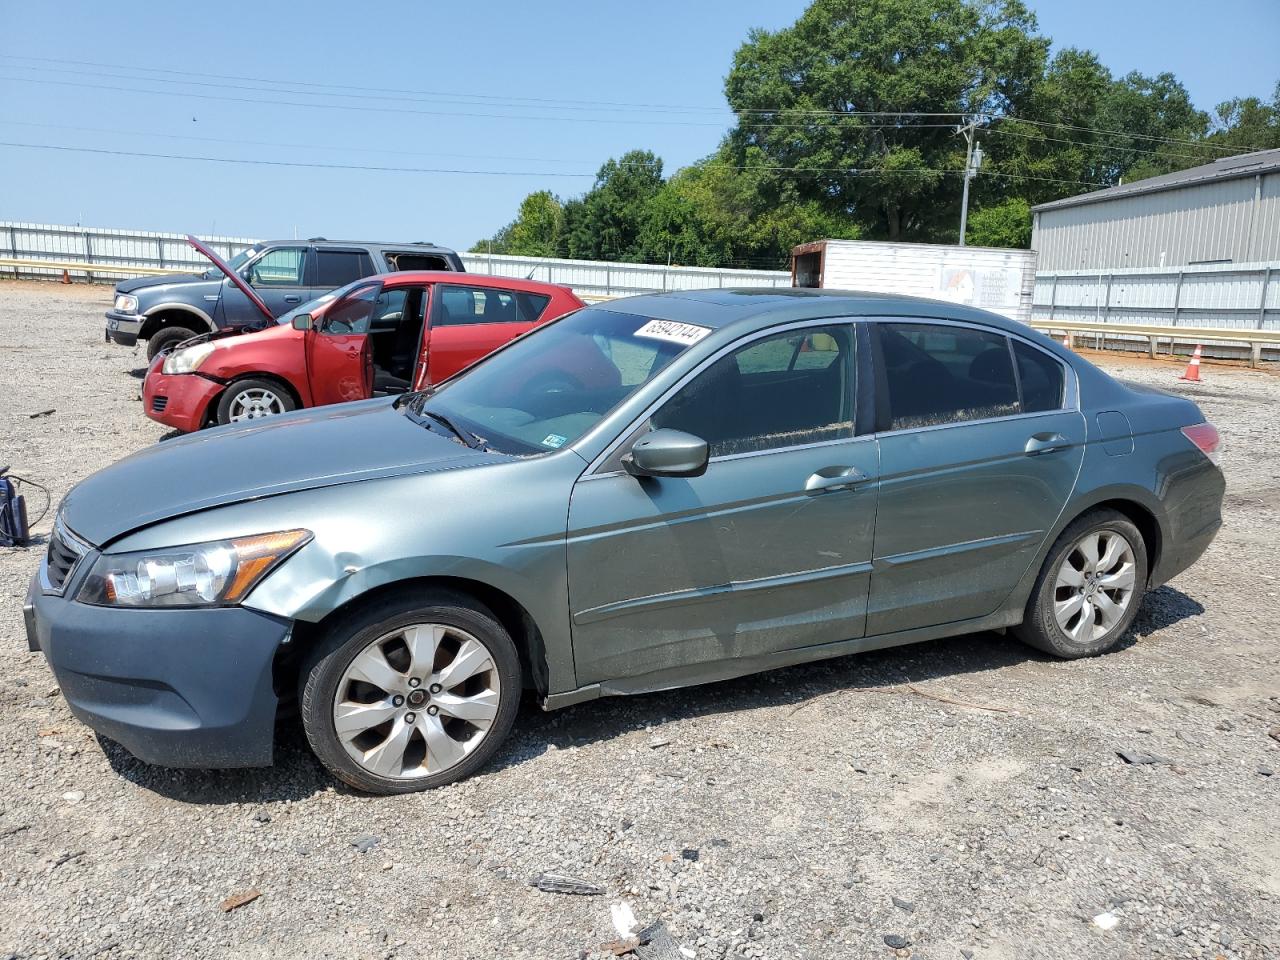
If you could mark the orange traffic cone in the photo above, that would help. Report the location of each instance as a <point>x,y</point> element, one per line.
<point>1066,339</point>
<point>66,277</point>
<point>1193,368</point>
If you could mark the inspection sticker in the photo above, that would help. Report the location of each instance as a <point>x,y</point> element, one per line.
<point>685,333</point>
<point>553,440</point>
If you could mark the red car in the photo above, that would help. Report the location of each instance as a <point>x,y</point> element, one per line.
<point>377,336</point>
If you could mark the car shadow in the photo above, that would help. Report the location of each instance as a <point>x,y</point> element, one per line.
<point>297,775</point>
<point>890,669</point>
<point>139,373</point>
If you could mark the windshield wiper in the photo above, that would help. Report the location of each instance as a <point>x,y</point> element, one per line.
<point>466,436</point>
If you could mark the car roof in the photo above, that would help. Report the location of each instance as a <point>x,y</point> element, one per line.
<point>401,277</point>
<point>765,306</point>
<point>323,244</point>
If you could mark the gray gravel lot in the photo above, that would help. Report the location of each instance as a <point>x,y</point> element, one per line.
<point>776,816</point>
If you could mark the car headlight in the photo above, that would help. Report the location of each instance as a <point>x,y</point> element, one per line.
<point>187,360</point>
<point>126,303</point>
<point>218,573</point>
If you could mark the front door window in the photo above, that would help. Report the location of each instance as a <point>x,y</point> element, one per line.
<point>281,267</point>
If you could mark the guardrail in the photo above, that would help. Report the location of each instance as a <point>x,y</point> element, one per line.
<point>70,266</point>
<point>103,255</point>
<point>1255,340</point>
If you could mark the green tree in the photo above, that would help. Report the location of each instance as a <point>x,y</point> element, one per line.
<point>535,232</point>
<point>606,224</point>
<point>1005,224</point>
<point>720,212</point>
<point>822,97</point>
<point>1244,124</point>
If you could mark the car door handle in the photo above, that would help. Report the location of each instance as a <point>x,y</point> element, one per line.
<point>1040,443</point>
<point>833,478</point>
<point>293,298</point>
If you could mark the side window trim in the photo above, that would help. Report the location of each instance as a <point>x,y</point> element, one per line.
<point>607,463</point>
<point>1070,379</point>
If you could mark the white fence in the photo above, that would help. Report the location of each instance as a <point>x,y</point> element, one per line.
<point>1244,296</point>
<point>119,250</point>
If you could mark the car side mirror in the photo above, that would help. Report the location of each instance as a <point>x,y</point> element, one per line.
<point>667,453</point>
<point>304,321</point>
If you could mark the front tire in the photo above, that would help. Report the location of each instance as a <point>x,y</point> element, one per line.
<point>165,338</point>
<point>253,400</point>
<point>1090,588</point>
<point>410,692</point>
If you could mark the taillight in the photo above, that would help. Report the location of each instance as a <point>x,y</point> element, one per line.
<point>1205,437</point>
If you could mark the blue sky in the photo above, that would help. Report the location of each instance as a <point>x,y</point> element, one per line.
<point>475,58</point>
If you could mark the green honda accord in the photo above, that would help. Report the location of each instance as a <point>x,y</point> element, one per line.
<point>652,493</point>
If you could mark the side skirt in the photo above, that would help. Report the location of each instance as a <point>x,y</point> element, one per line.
<point>673,678</point>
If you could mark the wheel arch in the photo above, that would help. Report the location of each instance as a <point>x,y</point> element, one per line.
<point>1136,503</point>
<point>174,315</point>
<point>277,378</point>
<point>512,614</point>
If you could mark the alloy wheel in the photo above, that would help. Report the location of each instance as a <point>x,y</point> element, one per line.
<point>253,404</point>
<point>1094,585</point>
<point>416,701</point>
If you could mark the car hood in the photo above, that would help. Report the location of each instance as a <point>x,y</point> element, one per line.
<point>321,447</point>
<point>164,280</point>
<point>249,336</point>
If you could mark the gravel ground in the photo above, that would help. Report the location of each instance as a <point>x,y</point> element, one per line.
<point>778,816</point>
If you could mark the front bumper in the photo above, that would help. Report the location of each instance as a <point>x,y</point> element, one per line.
<point>178,400</point>
<point>123,328</point>
<point>177,688</point>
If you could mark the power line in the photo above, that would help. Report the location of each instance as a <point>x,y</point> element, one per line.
<point>1096,146</point>
<point>365,108</point>
<point>1123,133</point>
<point>835,171</point>
<point>589,105</point>
<point>744,168</point>
<point>499,99</point>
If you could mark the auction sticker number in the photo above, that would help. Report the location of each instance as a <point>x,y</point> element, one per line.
<point>673,332</point>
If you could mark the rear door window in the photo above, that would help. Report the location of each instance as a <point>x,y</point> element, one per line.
<point>337,268</point>
<point>1041,377</point>
<point>458,305</point>
<point>939,374</point>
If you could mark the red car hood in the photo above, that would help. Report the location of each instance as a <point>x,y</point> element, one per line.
<point>263,345</point>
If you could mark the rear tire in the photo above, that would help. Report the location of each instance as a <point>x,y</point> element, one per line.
<point>1090,588</point>
<point>165,338</point>
<point>398,735</point>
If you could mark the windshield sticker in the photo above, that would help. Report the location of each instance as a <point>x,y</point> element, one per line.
<point>684,333</point>
<point>553,440</point>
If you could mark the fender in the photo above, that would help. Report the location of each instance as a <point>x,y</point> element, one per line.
<point>184,308</point>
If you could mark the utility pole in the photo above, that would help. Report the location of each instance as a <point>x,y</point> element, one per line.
<point>972,161</point>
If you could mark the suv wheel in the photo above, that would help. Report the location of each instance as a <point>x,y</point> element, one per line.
<point>410,693</point>
<point>252,400</point>
<point>1090,589</point>
<point>165,338</point>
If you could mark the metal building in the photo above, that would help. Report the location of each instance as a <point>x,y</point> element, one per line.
<point>1227,211</point>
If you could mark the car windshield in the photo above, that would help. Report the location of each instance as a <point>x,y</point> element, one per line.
<point>235,263</point>
<point>549,388</point>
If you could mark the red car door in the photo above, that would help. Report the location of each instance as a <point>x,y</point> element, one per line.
<point>339,364</point>
<point>467,323</point>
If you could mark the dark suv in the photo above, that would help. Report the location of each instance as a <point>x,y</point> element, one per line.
<point>168,309</point>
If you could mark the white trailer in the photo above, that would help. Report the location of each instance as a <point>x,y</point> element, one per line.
<point>993,278</point>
